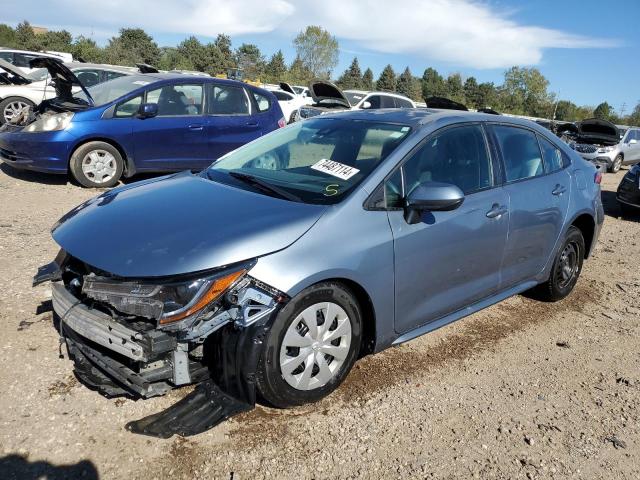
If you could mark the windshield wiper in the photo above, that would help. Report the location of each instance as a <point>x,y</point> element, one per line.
<point>264,186</point>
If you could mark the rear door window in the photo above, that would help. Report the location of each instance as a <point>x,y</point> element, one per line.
<point>553,160</point>
<point>388,102</point>
<point>520,152</point>
<point>403,103</point>
<point>7,56</point>
<point>375,101</point>
<point>262,102</point>
<point>227,100</point>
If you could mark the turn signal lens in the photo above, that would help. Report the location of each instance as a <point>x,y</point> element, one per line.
<point>215,290</point>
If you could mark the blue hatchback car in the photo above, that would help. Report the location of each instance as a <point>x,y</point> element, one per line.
<point>149,122</point>
<point>374,228</point>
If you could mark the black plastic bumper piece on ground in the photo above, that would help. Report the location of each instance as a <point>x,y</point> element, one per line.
<point>204,408</point>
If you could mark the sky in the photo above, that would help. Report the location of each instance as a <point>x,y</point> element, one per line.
<point>588,49</point>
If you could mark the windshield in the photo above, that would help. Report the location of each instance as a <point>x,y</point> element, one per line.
<point>111,90</point>
<point>319,161</point>
<point>354,97</point>
<point>38,75</point>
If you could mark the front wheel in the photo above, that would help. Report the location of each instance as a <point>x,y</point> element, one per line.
<point>96,165</point>
<point>616,164</point>
<point>11,107</point>
<point>566,268</point>
<point>311,347</point>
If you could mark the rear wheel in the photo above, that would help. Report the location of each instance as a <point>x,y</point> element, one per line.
<point>311,347</point>
<point>616,164</point>
<point>566,267</point>
<point>12,107</point>
<point>96,164</point>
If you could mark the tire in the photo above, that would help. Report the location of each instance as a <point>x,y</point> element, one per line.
<point>302,365</point>
<point>615,165</point>
<point>106,161</point>
<point>560,283</point>
<point>9,106</point>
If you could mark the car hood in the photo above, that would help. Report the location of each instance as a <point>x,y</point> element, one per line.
<point>321,90</point>
<point>598,131</point>
<point>63,78</point>
<point>180,224</point>
<point>10,75</point>
<point>287,88</point>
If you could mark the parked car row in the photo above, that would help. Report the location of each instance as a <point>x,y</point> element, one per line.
<point>151,122</point>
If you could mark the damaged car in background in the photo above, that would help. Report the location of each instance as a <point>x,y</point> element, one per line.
<point>328,98</point>
<point>269,279</point>
<point>603,143</point>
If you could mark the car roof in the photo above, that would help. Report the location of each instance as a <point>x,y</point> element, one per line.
<point>377,92</point>
<point>101,66</point>
<point>417,117</point>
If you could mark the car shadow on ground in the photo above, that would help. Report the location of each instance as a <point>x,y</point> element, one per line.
<point>613,209</point>
<point>34,177</point>
<point>17,467</point>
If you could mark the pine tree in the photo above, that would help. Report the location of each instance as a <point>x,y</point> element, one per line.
<point>432,84</point>
<point>276,69</point>
<point>367,79</point>
<point>352,77</point>
<point>387,80</point>
<point>405,83</point>
<point>299,73</point>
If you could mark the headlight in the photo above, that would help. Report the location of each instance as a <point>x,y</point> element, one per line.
<point>50,123</point>
<point>164,302</point>
<point>605,149</point>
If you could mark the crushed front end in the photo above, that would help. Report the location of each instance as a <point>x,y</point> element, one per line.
<point>144,337</point>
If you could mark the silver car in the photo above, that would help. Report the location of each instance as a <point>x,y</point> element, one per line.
<point>611,155</point>
<point>273,278</point>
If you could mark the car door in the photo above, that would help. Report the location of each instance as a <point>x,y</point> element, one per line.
<point>175,139</point>
<point>450,259</point>
<point>539,191</point>
<point>231,119</point>
<point>631,146</point>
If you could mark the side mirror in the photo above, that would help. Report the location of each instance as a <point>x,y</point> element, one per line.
<point>431,196</point>
<point>147,110</point>
<point>633,141</point>
<point>366,105</point>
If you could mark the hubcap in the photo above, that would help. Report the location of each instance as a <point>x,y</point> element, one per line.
<point>13,109</point>
<point>315,346</point>
<point>99,166</point>
<point>567,265</point>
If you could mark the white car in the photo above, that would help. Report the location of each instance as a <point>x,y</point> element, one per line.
<point>21,58</point>
<point>328,98</point>
<point>19,90</point>
<point>289,100</point>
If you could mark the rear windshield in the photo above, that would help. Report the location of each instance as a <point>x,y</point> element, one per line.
<point>320,160</point>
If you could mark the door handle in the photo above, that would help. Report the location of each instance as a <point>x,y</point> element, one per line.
<point>559,190</point>
<point>497,211</point>
<point>195,126</point>
<point>252,123</point>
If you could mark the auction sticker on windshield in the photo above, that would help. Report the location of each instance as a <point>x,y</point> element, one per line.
<point>337,169</point>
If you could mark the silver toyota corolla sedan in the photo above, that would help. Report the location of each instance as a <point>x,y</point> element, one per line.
<point>271,272</point>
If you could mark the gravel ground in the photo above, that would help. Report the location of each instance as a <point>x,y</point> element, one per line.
<point>521,390</point>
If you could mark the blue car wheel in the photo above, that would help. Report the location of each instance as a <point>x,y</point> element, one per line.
<point>97,165</point>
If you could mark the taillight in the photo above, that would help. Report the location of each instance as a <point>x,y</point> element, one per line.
<point>282,123</point>
<point>597,178</point>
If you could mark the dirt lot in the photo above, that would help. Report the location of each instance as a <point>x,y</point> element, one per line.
<point>521,390</point>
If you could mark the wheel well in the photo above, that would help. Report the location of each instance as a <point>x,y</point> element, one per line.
<point>586,225</point>
<point>105,140</point>
<point>368,314</point>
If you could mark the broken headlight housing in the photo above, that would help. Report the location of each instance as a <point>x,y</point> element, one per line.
<point>168,302</point>
<point>50,123</point>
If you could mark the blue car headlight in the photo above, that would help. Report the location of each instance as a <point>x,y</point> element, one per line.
<point>50,123</point>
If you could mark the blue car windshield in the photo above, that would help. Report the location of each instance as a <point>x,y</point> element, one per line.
<point>316,161</point>
<point>111,90</point>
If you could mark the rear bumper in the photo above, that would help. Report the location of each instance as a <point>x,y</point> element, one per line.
<point>46,152</point>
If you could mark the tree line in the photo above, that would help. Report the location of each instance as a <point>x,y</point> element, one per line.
<point>524,91</point>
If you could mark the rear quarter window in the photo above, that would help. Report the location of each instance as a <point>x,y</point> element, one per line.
<point>262,102</point>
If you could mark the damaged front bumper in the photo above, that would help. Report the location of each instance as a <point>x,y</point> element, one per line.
<point>130,356</point>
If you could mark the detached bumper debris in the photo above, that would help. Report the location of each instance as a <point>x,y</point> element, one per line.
<point>122,354</point>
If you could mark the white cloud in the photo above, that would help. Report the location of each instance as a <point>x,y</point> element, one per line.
<point>464,33</point>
